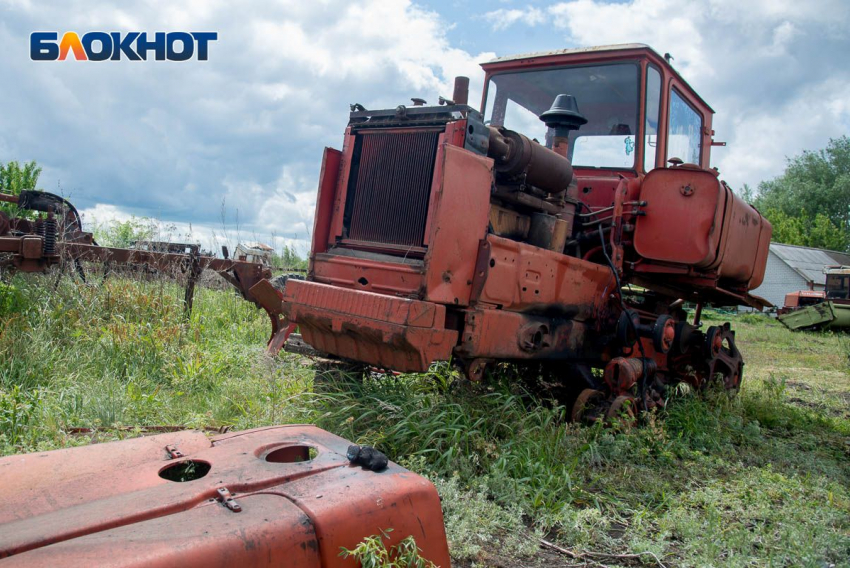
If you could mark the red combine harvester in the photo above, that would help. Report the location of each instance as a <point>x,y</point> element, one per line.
<point>442,233</point>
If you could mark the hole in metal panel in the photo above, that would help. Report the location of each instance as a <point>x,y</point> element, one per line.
<point>188,470</point>
<point>292,454</point>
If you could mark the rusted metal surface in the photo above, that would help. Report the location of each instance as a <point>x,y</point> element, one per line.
<point>521,277</point>
<point>368,274</point>
<point>393,333</point>
<point>328,177</point>
<point>683,227</point>
<point>622,374</point>
<point>254,498</point>
<point>460,94</point>
<point>693,219</point>
<point>437,237</point>
<point>517,155</point>
<point>460,217</point>
<point>802,298</point>
<point>504,334</point>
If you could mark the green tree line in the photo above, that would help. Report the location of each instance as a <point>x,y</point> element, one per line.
<point>15,178</point>
<point>288,259</point>
<point>809,204</point>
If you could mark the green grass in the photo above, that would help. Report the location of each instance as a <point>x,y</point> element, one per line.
<point>373,553</point>
<point>759,480</point>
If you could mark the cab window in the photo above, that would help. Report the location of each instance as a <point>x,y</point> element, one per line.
<point>653,115</point>
<point>608,95</point>
<point>684,138</point>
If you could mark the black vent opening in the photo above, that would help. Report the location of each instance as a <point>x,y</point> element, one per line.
<point>389,187</point>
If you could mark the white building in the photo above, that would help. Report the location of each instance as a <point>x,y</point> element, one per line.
<point>791,268</point>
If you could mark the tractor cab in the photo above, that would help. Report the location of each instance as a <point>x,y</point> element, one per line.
<point>639,111</point>
<point>837,282</point>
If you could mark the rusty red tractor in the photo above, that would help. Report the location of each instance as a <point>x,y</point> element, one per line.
<point>443,233</point>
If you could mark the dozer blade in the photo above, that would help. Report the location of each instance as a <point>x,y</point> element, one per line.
<point>271,299</point>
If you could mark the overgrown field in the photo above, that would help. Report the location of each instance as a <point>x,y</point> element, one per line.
<point>760,480</point>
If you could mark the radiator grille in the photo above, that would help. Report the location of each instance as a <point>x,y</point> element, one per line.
<point>390,186</point>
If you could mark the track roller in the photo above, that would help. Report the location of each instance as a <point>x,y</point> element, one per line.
<point>587,406</point>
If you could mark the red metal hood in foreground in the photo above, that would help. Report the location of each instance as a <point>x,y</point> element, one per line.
<point>252,498</point>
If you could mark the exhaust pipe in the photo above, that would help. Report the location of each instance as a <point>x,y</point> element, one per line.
<point>461,91</point>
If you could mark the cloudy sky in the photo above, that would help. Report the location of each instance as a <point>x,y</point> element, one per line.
<point>230,148</point>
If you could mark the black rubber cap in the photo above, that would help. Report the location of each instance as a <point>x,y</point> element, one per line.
<point>563,113</point>
<point>367,457</point>
<point>353,452</point>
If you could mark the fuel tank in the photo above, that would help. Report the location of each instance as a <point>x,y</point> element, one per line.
<point>276,496</point>
<point>693,219</point>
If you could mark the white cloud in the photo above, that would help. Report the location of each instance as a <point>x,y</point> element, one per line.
<point>763,140</point>
<point>504,18</point>
<point>211,238</point>
<point>783,34</point>
<point>773,70</point>
<point>246,128</point>
<point>667,25</point>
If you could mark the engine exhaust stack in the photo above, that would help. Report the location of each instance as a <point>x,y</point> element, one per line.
<point>461,91</point>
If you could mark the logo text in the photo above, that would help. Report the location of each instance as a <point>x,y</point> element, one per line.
<point>115,46</point>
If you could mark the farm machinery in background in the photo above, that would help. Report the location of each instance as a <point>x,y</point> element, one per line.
<point>820,309</point>
<point>57,237</point>
<point>560,229</point>
<point>254,252</point>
